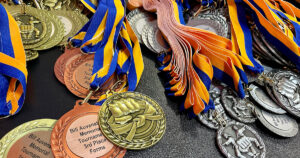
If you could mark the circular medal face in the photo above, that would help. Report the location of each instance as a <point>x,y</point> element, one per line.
<point>64,60</point>
<point>57,32</point>
<point>286,89</point>
<point>132,120</point>
<point>31,55</point>
<point>239,109</point>
<point>137,19</point>
<point>209,119</point>
<point>77,77</point>
<point>281,125</point>
<point>156,39</point>
<point>212,22</point>
<point>237,140</point>
<point>35,26</point>
<point>264,100</point>
<point>77,134</point>
<point>31,139</point>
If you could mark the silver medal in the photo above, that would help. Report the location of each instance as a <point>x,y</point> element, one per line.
<point>237,140</point>
<point>212,118</point>
<point>239,109</point>
<point>258,95</point>
<point>213,22</point>
<point>138,19</point>
<point>286,89</point>
<point>281,125</point>
<point>145,37</point>
<point>156,40</point>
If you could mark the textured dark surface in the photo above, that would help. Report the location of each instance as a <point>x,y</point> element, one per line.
<point>48,98</point>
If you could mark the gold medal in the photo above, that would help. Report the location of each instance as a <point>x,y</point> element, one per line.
<point>72,23</point>
<point>77,134</point>
<point>132,120</point>
<point>31,139</point>
<point>57,32</point>
<point>35,26</point>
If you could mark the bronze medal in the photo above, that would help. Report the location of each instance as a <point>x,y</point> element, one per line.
<point>77,134</point>
<point>63,61</point>
<point>77,77</point>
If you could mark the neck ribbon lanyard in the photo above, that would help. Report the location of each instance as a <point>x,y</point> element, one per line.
<point>109,35</point>
<point>13,72</point>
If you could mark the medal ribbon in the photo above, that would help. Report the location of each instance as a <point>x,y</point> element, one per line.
<point>116,48</point>
<point>272,23</point>
<point>13,72</point>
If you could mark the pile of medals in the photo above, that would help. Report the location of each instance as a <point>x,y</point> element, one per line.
<point>48,24</point>
<point>269,97</point>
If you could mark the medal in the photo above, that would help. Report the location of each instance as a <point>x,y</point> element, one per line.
<point>77,134</point>
<point>63,61</point>
<point>156,40</point>
<point>281,125</point>
<point>210,118</point>
<point>261,98</point>
<point>239,109</point>
<point>239,140</point>
<point>286,89</point>
<point>132,120</point>
<point>31,139</point>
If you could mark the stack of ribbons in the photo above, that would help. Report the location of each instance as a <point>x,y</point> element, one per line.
<point>198,55</point>
<point>13,72</point>
<point>109,36</point>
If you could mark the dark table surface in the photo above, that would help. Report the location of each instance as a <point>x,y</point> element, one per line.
<point>184,137</point>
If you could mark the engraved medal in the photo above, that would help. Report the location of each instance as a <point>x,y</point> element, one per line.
<point>31,139</point>
<point>77,134</point>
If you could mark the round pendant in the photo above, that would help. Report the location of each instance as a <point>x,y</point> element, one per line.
<point>212,22</point>
<point>57,32</point>
<point>281,125</point>
<point>156,39</point>
<point>209,119</point>
<point>137,19</point>
<point>132,120</point>
<point>31,139</point>
<point>239,109</point>
<point>64,60</point>
<point>264,100</point>
<point>31,55</point>
<point>237,140</point>
<point>77,77</point>
<point>77,134</point>
<point>286,89</point>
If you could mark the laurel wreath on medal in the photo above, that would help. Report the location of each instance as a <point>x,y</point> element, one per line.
<point>135,144</point>
<point>56,138</point>
<point>15,133</point>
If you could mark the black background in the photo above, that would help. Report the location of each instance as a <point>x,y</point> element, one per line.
<point>48,98</point>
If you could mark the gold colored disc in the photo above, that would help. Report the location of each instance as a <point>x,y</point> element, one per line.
<point>31,55</point>
<point>35,26</point>
<point>31,139</point>
<point>132,120</point>
<point>57,32</point>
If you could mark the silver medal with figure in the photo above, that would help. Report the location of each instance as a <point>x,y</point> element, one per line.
<point>237,140</point>
<point>238,108</point>
<point>214,118</point>
<point>282,125</point>
<point>286,89</point>
<point>262,98</point>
